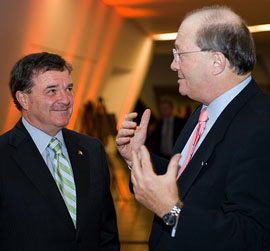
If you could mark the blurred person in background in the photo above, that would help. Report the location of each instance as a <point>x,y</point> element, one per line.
<point>166,130</point>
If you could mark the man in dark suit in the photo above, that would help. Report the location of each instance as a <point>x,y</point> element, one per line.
<point>54,182</point>
<point>166,130</point>
<point>216,194</point>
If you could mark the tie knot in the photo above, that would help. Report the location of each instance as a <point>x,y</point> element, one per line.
<point>55,145</point>
<point>203,116</point>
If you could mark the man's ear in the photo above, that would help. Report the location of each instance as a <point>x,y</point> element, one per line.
<point>22,98</point>
<point>218,62</point>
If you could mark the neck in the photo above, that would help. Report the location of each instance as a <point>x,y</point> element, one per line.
<point>223,85</point>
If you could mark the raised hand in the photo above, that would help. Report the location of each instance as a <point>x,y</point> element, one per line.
<point>131,137</point>
<point>159,193</point>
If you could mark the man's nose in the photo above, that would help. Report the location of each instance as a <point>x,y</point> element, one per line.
<point>175,65</point>
<point>65,97</point>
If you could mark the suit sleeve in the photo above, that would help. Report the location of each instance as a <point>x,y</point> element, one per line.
<point>109,233</point>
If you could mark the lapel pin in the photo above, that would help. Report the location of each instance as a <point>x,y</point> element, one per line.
<point>204,163</point>
<point>80,152</point>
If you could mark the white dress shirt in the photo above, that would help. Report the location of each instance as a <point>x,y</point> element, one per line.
<point>41,139</point>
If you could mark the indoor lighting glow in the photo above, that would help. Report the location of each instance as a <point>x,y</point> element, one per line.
<point>164,36</point>
<point>259,28</point>
<point>172,36</point>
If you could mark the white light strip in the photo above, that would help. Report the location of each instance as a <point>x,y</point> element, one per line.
<point>164,36</point>
<point>259,28</point>
<point>172,36</point>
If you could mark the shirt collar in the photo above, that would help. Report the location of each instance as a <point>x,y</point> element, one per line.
<point>215,108</point>
<point>41,138</point>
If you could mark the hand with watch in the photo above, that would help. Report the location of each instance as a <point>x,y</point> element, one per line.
<point>171,218</point>
<point>158,193</point>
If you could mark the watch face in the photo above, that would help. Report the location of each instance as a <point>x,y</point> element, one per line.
<point>169,219</point>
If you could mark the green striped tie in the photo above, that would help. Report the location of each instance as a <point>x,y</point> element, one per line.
<point>64,178</point>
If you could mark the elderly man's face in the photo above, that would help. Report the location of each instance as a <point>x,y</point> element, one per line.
<point>49,105</point>
<point>192,65</point>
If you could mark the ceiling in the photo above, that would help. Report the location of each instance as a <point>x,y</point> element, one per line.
<point>163,16</point>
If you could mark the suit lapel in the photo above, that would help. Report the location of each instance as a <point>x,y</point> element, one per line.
<point>215,135</point>
<point>79,159</point>
<point>32,164</point>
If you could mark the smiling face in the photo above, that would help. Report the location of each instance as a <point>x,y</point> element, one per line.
<point>192,68</point>
<point>49,105</point>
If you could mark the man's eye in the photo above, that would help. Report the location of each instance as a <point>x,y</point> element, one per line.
<point>70,88</point>
<point>52,91</point>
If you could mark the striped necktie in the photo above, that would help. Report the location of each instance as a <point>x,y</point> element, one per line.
<point>196,136</point>
<point>64,178</point>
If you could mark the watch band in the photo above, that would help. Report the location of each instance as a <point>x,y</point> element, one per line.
<point>170,218</point>
<point>176,210</point>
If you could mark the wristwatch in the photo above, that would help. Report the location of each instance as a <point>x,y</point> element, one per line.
<point>170,218</point>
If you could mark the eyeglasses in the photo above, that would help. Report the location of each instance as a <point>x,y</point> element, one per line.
<point>177,54</point>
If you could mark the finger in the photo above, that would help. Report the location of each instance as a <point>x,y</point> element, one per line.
<point>136,166</point>
<point>173,166</point>
<point>133,181</point>
<point>145,119</point>
<point>146,161</point>
<point>128,125</point>
<point>131,116</point>
<point>125,133</point>
<point>123,136</point>
<point>122,141</point>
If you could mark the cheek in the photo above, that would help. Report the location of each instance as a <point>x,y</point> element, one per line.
<point>71,100</point>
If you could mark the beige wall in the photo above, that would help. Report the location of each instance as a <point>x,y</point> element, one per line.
<point>110,55</point>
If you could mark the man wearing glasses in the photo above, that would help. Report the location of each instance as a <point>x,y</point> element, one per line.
<point>216,194</point>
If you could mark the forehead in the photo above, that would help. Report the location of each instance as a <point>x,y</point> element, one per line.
<point>52,77</point>
<point>186,35</point>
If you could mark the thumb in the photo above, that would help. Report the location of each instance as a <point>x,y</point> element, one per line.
<point>145,119</point>
<point>173,166</point>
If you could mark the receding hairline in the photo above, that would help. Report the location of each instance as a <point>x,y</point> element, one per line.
<point>214,15</point>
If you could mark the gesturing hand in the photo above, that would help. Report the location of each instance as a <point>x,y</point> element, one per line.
<point>130,136</point>
<point>159,193</point>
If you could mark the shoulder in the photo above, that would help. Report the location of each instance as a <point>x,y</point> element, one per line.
<point>4,139</point>
<point>257,107</point>
<point>13,137</point>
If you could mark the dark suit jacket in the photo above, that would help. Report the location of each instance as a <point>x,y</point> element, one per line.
<point>33,215</point>
<point>226,186</point>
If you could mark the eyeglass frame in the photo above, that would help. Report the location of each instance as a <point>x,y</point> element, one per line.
<point>176,54</point>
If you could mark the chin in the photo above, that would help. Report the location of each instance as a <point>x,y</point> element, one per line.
<point>182,92</point>
<point>61,122</point>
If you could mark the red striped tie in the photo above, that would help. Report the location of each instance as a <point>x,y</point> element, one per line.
<point>196,136</point>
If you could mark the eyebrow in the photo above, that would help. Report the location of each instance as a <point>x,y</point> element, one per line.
<point>55,86</point>
<point>51,86</point>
